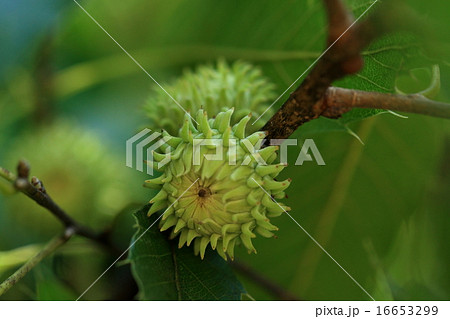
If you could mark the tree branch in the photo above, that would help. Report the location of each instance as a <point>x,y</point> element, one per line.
<point>36,191</point>
<point>7,175</point>
<point>338,101</point>
<point>54,244</point>
<point>346,40</point>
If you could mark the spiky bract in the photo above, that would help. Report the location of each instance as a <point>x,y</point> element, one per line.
<point>217,202</point>
<point>213,89</point>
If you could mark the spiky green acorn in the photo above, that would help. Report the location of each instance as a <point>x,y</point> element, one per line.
<point>218,202</point>
<point>213,89</point>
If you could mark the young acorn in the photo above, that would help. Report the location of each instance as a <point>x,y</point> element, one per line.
<point>214,89</point>
<point>218,202</point>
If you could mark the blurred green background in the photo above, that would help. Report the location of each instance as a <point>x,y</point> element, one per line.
<point>379,208</point>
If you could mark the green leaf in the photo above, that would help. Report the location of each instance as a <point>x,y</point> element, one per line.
<point>164,272</point>
<point>289,38</point>
<point>363,193</point>
<point>405,276</point>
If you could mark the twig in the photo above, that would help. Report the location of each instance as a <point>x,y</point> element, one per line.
<point>54,244</point>
<point>275,289</point>
<point>338,101</point>
<point>36,192</point>
<point>346,40</point>
<point>7,175</point>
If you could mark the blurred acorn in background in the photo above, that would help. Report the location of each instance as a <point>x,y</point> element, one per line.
<point>77,170</point>
<point>214,89</point>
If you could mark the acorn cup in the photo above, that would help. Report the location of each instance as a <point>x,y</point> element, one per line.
<point>213,89</point>
<point>221,202</point>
